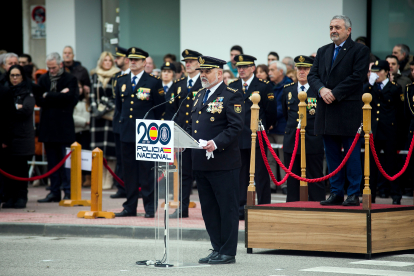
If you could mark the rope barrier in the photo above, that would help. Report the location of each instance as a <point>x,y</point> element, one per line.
<point>39,176</point>
<point>374,154</point>
<point>292,161</point>
<point>348,154</point>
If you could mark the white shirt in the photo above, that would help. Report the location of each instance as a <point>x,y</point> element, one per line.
<point>213,89</point>
<point>340,45</point>
<point>249,81</point>
<point>384,83</point>
<point>194,79</point>
<point>138,77</point>
<point>306,87</point>
<point>126,71</point>
<point>168,84</point>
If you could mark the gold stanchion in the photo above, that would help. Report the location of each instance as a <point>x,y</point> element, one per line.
<point>254,125</point>
<point>366,196</point>
<point>96,189</point>
<point>75,179</point>
<point>303,122</point>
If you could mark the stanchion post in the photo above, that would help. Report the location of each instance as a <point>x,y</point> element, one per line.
<point>303,122</point>
<point>75,179</point>
<point>96,189</point>
<point>366,110</point>
<point>254,125</point>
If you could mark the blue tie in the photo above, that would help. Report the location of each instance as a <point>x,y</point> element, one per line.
<point>133,82</point>
<point>379,86</point>
<point>190,85</point>
<point>335,54</point>
<point>303,88</point>
<point>206,96</point>
<point>165,88</point>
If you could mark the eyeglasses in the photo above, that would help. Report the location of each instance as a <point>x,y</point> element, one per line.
<point>15,75</point>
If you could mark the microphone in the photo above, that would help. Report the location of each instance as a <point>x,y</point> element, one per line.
<point>146,114</point>
<point>176,113</point>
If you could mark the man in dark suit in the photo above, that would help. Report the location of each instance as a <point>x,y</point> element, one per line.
<point>122,62</point>
<point>337,74</point>
<point>135,94</point>
<point>184,90</point>
<point>217,120</point>
<point>314,143</point>
<point>248,84</point>
<point>57,128</point>
<point>385,102</point>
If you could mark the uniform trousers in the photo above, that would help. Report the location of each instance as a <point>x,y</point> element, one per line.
<point>137,174</point>
<point>314,169</point>
<point>219,199</point>
<point>388,164</point>
<point>187,179</point>
<point>276,139</point>
<point>118,167</point>
<point>261,179</point>
<point>60,179</point>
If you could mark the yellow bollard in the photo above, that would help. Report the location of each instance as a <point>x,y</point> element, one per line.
<point>96,189</point>
<point>366,109</point>
<point>75,179</point>
<point>254,125</point>
<point>303,191</point>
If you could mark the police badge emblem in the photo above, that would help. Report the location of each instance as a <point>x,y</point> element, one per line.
<point>289,96</point>
<point>240,58</point>
<point>123,87</point>
<point>179,90</point>
<point>301,59</point>
<point>238,108</point>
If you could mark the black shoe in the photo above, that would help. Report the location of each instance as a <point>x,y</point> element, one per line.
<point>395,201</point>
<point>383,195</point>
<point>333,199</point>
<point>118,194</point>
<point>205,260</point>
<point>9,203</point>
<point>67,196</point>
<point>352,200</point>
<point>149,215</point>
<point>182,214</point>
<point>284,190</point>
<point>20,203</point>
<point>125,213</point>
<point>222,259</point>
<point>50,198</point>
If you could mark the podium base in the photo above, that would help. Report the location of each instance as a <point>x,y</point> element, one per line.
<point>71,203</point>
<point>95,214</point>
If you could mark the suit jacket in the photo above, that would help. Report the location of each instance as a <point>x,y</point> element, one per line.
<point>117,114</point>
<point>290,101</point>
<point>179,90</point>
<point>267,104</point>
<point>56,114</point>
<point>345,79</point>
<point>223,128</point>
<point>131,106</point>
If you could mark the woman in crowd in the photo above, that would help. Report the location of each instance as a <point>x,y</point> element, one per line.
<point>291,73</point>
<point>262,72</point>
<point>227,75</point>
<point>102,108</point>
<point>22,145</point>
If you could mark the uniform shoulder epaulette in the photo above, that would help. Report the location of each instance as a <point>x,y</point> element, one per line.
<point>231,89</point>
<point>410,84</point>
<point>394,83</point>
<point>233,80</point>
<point>265,81</point>
<point>178,80</point>
<point>286,85</point>
<point>122,75</point>
<point>155,77</point>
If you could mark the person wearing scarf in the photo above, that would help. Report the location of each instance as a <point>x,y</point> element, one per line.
<point>102,108</point>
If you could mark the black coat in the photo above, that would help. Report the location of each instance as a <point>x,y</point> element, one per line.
<point>23,142</point>
<point>179,90</point>
<point>56,115</point>
<point>409,106</point>
<point>384,110</point>
<point>132,107</point>
<point>290,101</point>
<point>6,112</point>
<point>345,79</point>
<point>223,128</point>
<point>267,104</point>
<point>117,114</point>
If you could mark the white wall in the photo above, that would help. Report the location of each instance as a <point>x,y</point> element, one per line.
<point>291,28</point>
<point>356,10</point>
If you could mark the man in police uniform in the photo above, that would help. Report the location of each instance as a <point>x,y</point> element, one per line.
<point>314,144</point>
<point>385,100</point>
<point>122,62</point>
<point>249,84</point>
<point>184,90</point>
<point>136,93</point>
<point>217,119</point>
<point>409,112</point>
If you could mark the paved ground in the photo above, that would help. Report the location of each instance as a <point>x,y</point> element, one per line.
<point>28,255</point>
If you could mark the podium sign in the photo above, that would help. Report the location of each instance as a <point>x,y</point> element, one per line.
<point>154,140</point>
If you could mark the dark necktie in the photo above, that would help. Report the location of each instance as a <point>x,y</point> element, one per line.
<point>165,88</point>
<point>206,96</point>
<point>335,54</point>
<point>190,85</point>
<point>133,82</point>
<point>303,88</point>
<point>379,86</point>
<point>245,87</point>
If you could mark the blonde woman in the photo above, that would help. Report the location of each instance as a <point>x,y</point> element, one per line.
<point>102,107</point>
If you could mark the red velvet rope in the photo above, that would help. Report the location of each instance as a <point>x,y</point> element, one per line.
<point>39,176</point>
<point>119,180</point>
<point>292,160</point>
<point>348,154</point>
<point>374,154</point>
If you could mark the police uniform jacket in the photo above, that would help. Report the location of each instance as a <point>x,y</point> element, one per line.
<point>117,113</point>
<point>384,108</point>
<point>179,91</point>
<point>409,106</point>
<point>132,105</point>
<point>345,78</point>
<point>223,128</point>
<point>290,101</point>
<point>267,104</point>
